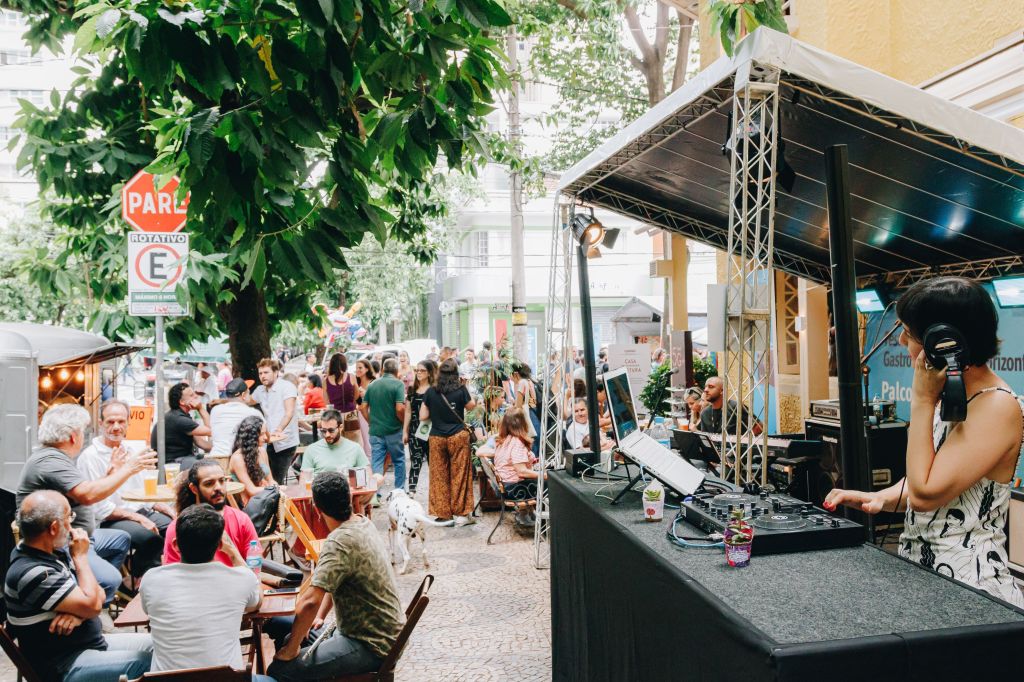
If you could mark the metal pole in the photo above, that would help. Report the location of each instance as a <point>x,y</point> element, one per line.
<point>844,285</point>
<point>589,354</point>
<point>519,319</point>
<point>161,435</point>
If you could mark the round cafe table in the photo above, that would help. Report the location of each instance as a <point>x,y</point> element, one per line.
<point>165,493</point>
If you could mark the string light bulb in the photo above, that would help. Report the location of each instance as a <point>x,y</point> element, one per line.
<point>79,376</point>
<point>46,382</point>
<point>63,374</point>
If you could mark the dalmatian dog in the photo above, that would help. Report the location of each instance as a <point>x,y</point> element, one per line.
<point>407,521</point>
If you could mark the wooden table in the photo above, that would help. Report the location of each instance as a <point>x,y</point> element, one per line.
<point>273,605</point>
<point>166,493</point>
<point>303,499</point>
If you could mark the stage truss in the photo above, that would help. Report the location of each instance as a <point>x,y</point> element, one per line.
<point>558,346</point>
<point>747,357</point>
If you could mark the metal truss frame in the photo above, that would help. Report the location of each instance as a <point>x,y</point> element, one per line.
<point>750,289</point>
<point>558,337</point>
<point>980,270</point>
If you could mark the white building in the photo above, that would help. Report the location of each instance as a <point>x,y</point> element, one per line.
<point>475,282</point>
<point>23,76</point>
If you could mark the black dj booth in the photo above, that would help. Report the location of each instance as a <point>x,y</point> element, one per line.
<point>628,605</point>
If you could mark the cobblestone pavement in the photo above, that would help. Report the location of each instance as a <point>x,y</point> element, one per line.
<point>489,612</point>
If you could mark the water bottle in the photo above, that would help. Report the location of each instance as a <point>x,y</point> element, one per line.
<point>254,558</point>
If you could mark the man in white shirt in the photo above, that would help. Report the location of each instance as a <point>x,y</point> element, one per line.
<point>278,400</point>
<point>206,383</point>
<point>227,415</point>
<point>579,428</point>
<point>195,607</point>
<point>144,523</point>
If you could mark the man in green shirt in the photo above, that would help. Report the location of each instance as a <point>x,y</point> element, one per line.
<point>355,569</point>
<point>384,408</point>
<point>332,452</point>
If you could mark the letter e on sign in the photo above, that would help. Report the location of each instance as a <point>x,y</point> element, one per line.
<point>148,209</point>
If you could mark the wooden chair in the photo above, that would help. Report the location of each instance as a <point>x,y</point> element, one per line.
<point>428,582</point>
<point>387,667</point>
<point>25,670</point>
<point>301,528</point>
<point>499,489</point>
<point>220,673</point>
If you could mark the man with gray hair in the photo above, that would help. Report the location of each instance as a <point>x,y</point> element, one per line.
<point>384,408</point>
<point>53,600</point>
<point>52,467</point>
<point>145,523</point>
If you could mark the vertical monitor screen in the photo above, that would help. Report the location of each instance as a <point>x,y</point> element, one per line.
<point>1009,292</point>
<point>868,301</point>
<point>620,402</point>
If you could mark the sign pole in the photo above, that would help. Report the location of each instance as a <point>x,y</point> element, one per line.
<point>161,434</point>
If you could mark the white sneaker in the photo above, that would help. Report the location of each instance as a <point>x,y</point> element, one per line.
<point>464,520</point>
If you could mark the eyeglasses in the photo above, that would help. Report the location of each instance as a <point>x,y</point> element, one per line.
<point>418,369</point>
<point>334,430</point>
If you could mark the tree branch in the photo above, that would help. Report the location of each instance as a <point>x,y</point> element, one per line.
<point>639,37</point>
<point>661,32</point>
<point>682,50</point>
<point>574,8</point>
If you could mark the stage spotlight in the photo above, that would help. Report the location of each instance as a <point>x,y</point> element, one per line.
<point>588,230</point>
<point>611,235</point>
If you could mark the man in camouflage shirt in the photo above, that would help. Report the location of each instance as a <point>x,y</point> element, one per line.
<point>355,572</point>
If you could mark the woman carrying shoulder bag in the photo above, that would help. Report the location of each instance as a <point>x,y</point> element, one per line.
<point>451,465</point>
<point>340,390</point>
<point>413,433</point>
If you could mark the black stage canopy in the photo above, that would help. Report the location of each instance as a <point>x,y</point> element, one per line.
<point>935,188</point>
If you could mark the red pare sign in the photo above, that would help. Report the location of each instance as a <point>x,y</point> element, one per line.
<point>149,209</point>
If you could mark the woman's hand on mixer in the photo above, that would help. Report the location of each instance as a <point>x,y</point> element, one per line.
<point>869,503</point>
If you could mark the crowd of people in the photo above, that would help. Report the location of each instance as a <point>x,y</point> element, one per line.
<point>188,557</point>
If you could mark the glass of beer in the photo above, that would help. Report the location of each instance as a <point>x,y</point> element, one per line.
<point>171,470</point>
<point>149,482</point>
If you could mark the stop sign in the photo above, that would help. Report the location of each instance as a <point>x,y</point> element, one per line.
<point>151,210</point>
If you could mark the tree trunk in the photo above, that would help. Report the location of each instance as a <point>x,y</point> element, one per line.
<point>248,331</point>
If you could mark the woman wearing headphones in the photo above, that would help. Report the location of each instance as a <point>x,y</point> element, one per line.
<point>956,470</point>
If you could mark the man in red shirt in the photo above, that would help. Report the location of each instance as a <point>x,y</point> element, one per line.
<point>206,484</point>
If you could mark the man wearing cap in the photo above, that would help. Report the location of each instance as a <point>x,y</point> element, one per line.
<point>228,414</point>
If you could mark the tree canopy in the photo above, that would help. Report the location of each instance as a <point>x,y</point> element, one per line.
<point>298,127</point>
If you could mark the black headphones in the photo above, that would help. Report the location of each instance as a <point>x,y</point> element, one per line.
<point>944,346</point>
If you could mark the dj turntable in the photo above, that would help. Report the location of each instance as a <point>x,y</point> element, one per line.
<point>781,523</point>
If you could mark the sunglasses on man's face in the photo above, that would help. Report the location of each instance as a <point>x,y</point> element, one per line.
<point>327,430</point>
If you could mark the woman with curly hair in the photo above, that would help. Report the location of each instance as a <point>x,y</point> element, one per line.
<point>249,464</point>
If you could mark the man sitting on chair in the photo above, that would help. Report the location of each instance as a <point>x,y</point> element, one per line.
<point>332,452</point>
<point>173,595</point>
<point>579,429</point>
<point>355,569</point>
<point>206,483</point>
<point>53,600</point>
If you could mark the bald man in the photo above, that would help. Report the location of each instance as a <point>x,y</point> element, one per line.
<point>54,600</point>
<point>711,413</point>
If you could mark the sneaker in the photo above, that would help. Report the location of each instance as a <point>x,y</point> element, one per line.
<point>464,521</point>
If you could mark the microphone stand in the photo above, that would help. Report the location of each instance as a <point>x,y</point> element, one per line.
<point>864,369</point>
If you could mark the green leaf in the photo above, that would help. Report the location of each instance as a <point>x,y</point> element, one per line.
<point>85,36</point>
<point>259,271</point>
<point>327,7</point>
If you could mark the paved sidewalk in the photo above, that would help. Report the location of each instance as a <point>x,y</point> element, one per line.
<point>489,613</point>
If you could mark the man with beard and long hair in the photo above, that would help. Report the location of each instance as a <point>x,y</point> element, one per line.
<point>206,482</point>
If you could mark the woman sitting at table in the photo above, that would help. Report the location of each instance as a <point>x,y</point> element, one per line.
<point>955,470</point>
<point>249,464</point>
<point>313,399</point>
<point>513,463</point>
